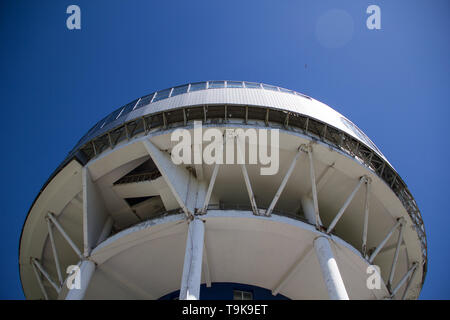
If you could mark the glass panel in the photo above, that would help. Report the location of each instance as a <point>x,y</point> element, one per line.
<point>269,87</point>
<point>180,90</point>
<point>197,86</point>
<point>252,85</point>
<point>234,84</point>
<point>216,84</point>
<point>163,94</point>
<point>144,101</point>
<point>242,295</point>
<point>113,116</point>
<point>128,107</point>
<point>286,90</point>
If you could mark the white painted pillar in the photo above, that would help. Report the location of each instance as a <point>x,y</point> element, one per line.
<point>308,209</point>
<point>330,271</point>
<point>86,271</point>
<point>192,268</point>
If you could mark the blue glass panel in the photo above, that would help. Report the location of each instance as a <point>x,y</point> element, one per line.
<point>234,84</point>
<point>252,85</point>
<point>163,94</point>
<point>144,101</point>
<point>197,86</point>
<point>216,84</point>
<point>180,90</point>
<point>269,87</point>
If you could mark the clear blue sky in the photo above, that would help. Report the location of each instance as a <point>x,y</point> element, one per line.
<point>393,83</point>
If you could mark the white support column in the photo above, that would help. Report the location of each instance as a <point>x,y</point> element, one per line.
<point>86,271</point>
<point>180,181</point>
<point>308,209</point>
<point>283,183</point>
<point>312,174</point>
<point>192,268</point>
<point>330,271</point>
<point>345,205</point>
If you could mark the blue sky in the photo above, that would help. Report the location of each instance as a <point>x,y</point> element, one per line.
<point>393,83</point>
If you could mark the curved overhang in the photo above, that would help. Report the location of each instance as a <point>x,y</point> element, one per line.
<point>275,253</point>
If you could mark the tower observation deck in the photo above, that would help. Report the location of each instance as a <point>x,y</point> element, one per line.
<point>126,221</point>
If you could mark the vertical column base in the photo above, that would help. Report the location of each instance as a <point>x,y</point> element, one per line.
<point>193,259</point>
<point>330,271</point>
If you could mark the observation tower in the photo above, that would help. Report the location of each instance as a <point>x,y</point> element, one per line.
<point>124,220</point>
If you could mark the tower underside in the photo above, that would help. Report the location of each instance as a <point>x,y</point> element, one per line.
<point>142,227</point>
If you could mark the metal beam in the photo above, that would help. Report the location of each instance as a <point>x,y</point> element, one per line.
<point>345,205</point>
<point>397,251</point>
<point>249,189</point>
<point>322,179</point>
<point>46,275</point>
<point>402,281</point>
<point>38,277</point>
<point>381,245</point>
<point>313,187</point>
<point>409,284</point>
<point>247,179</point>
<point>292,270</point>
<point>210,188</point>
<point>65,235</point>
<point>283,182</point>
<point>55,253</point>
<point>176,177</point>
<point>366,219</point>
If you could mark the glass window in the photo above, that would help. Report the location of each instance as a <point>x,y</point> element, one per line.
<point>216,84</point>
<point>242,295</point>
<point>113,116</point>
<point>197,86</point>
<point>145,101</point>
<point>269,87</point>
<point>234,84</point>
<point>286,90</point>
<point>128,107</point>
<point>180,90</point>
<point>163,94</point>
<point>252,85</point>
